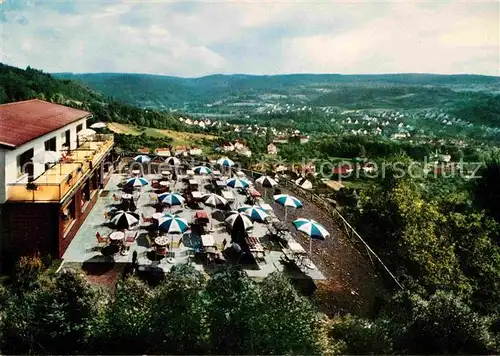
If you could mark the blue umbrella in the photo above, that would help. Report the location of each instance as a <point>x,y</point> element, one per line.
<point>237,183</point>
<point>136,182</point>
<point>312,228</point>
<point>255,212</point>
<point>202,170</point>
<point>171,199</point>
<point>287,201</point>
<point>142,158</point>
<point>226,162</point>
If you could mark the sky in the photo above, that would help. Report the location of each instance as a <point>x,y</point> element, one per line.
<point>196,38</point>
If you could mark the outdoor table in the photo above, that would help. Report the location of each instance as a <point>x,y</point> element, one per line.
<point>296,248</point>
<point>136,172</point>
<point>220,184</point>
<point>240,174</point>
<point>190,172</point>
<point>126,196</point>
<point>196,194</point>
<point>228,195</point>
<point>117,236</point>
<point>216,173</point>
<point>207,241</point>
<point>193,182</point>
<point>254,244</point>
<point>166,173</point>
<point>164,184</point>
<point>161,240</point>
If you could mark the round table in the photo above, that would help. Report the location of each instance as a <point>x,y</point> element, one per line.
<point>166,173</point>
<point>136,172</point>
<point>126,196</point>
<point>117,236</point>
<point>162,240</point>
<point>164,183</point>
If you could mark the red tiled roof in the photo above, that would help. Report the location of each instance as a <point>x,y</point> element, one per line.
<point>23,121</point>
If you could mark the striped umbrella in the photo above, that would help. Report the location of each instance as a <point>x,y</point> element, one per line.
<point>237,183</point>
<point>173,161</point>
<point>255,212</point>
<point>237,219</point>
<point>213,200</point>
<point>287,201</point>
<point>136,182</point>
<point>312,228</point>
<point>226,162</point>
<point>172,224</point>
<point>202,170</point>
<point>142,159</point>
<point>266,182</point>
<point>171,199</point>
<point>125,219</point>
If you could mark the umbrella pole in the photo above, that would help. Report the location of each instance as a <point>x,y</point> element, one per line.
<point>285,213</point>
<point>310,245</point>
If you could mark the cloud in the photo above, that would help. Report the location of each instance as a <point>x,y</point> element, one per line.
<point>199,38</point>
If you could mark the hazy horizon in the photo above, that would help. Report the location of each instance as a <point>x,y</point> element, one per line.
<point>194,39</point>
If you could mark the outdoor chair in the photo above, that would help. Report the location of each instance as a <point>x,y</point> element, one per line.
<point>116,198</point>
<point>147,219</point>
<point>102,241</point>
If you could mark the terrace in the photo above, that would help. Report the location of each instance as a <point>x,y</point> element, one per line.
<point>57,181</point>
<point>84,247</point>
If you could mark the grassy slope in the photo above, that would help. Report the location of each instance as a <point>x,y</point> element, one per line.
<point>179,138</point>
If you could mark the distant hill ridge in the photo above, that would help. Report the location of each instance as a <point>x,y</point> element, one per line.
<point>145,89</point>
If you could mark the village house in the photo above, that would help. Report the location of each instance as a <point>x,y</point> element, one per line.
<point>195,151</point>
<point>180,150</point>
<point>272,149</point>
<point>163,152</point>
<point>227,147</point>
<point>143,150</point>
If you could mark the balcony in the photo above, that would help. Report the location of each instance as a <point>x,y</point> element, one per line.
<point>60,179</point>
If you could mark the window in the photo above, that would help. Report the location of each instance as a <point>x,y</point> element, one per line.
<point>79,128</point>
<point>65,138</point>
<point>50,145</point>
<point>68,214</point>
<point>24,164</point>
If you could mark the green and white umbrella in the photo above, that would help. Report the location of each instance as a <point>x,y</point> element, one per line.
<point>173,161</point>
<point>312,228</point>
<point>225,162</point>
<point>171,199</point>
<point>136,182</point>
<point>255,212</point>
<point>202,170</point>
<point>237,183</point>
<point>287,201</point>
<point>266,182</point>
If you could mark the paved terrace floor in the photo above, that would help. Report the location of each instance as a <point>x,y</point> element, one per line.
<point>83,247</point>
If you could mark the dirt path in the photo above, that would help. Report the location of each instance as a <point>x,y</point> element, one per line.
<point>351,285</point>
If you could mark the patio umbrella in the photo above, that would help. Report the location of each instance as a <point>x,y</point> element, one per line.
<point>172,224</point>
<point>304,183</point>
<point>124,219</point>
<point>266,182</point>
<point>45,157</point>
<point>136,182</point>
<point>237,183</point>
<point>86,132</point>
<point>312,228</point>
<point>142,159</point>
<point>287,201</point>
<point>173,161</point>
<point>171,199</point>
<point>98,125</point>
<point>225,162</point>
<point>237,219</point>
<point>202,170</point>
<point>255,212</point>
<point>213,200</point>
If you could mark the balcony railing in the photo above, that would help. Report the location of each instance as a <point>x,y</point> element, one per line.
<point>56,182</point>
